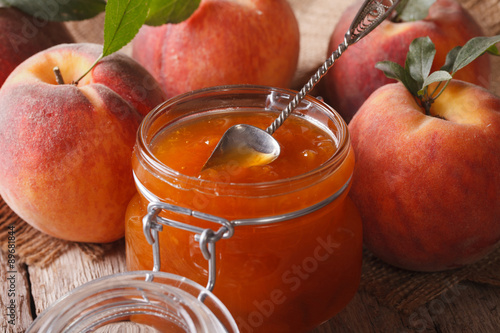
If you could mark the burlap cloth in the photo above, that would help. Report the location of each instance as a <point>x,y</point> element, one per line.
<point>393,287</point>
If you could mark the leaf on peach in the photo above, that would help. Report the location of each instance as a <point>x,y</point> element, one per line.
<point>420,58</point>
<point>450,59</point>
<point>416,74</point>
<point>170,11</point>
<point>413,10</point>
<point>124,18</point>
<point>397,72</point>
<point>437,76</point>
<point>473,49</point>
<point>122,22</point>
<point>493,50</point>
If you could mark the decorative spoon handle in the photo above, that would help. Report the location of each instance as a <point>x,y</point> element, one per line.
<point>369,16</point>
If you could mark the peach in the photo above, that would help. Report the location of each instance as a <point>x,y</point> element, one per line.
<point>23,35</point>
<point>354,77</point>
<point>66,148</point>
<point>428,186</point>
<point>223,42</point>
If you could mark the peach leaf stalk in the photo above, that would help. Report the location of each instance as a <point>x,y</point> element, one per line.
<point>416,76</point>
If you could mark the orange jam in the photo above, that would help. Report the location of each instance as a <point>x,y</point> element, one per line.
<point>284,275</point>
<point>192,144</point>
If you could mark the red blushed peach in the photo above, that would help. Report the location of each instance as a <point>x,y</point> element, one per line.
<point>428,186</point>
<point>23,35</point>
<point>66,148</point>
<point>354,77</point>
<point>223,42</point>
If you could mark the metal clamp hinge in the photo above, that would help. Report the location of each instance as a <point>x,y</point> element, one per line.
<point>153,223</point>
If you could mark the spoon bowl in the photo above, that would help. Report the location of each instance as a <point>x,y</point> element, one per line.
<point>245,145</point>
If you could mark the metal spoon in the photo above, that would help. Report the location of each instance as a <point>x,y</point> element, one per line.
<point>248,145</point>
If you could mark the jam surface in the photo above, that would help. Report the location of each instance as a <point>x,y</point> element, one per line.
<point>185,149</point>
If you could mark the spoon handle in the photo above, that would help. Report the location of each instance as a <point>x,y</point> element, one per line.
<point>369,16</point>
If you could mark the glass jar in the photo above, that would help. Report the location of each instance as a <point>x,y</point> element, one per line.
<point>152,302</point>
<point>288,252</point>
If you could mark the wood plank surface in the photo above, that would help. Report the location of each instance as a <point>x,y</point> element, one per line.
<point>468,307</point>
<point>15,296</point>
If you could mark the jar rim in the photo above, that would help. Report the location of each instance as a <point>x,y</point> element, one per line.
<point>156,164</point>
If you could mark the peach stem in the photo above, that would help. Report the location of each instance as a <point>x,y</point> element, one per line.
<point>59,78</point>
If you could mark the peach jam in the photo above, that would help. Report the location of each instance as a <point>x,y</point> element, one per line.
<point>280,245</point>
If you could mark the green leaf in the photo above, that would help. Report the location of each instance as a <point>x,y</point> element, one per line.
<point>450,59</point>
<point>473,49</point>
<point>419,59</point>
<point>391,69</point>
<point>415,10</point>
<point>493,50</point>
<point>395,71</point>
<point>52,10</point>
<point>170,11</point>
<point>123,20</point>
<point>436,76</point>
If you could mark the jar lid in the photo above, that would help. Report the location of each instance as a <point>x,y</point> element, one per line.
<point>160,301</point>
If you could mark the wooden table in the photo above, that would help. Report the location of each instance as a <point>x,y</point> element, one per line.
<point>468,307</point>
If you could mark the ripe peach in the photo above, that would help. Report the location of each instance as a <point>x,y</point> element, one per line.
<point>66,148</point>
<point>23,35</point>
<point>428,186</point>
<point>223,42</point>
